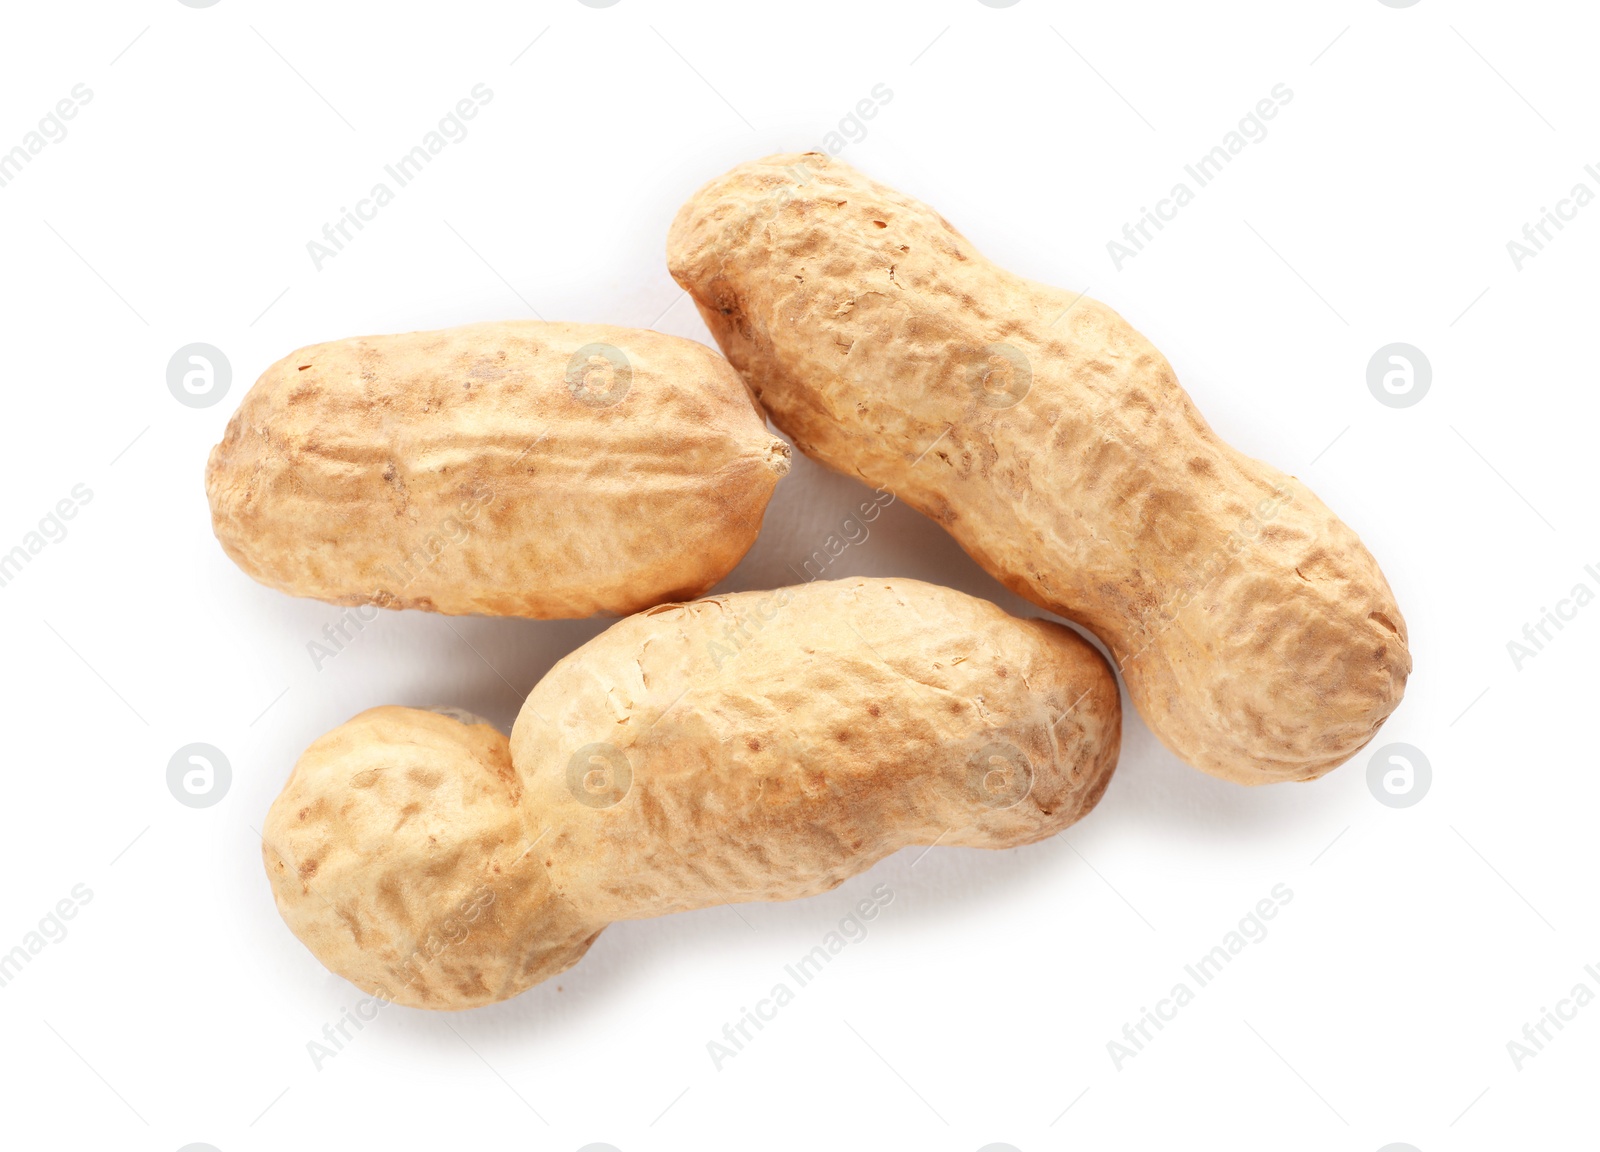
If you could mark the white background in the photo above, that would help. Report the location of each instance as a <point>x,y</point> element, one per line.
<point>1418,941</point>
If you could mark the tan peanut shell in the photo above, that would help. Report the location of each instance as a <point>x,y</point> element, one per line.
<point>1257,635</point>
<point>511,469</point>
<point>754,746</point>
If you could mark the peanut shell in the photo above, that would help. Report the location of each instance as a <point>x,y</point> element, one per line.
<point>754,746</point>
<point>1258,637</point>
<point>510,469</point>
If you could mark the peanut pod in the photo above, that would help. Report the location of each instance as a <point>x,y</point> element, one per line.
<point>509,469</point>
<point>1257,635</point>
<point>755,746</point>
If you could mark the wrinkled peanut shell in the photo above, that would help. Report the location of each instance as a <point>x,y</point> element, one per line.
<point>1258,638</point>
<point>508,469</point>
<point>755,746</point>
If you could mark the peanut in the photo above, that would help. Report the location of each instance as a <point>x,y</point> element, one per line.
<point>1257,636</point>
<point>754,746</point>
<point>513,469</point>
